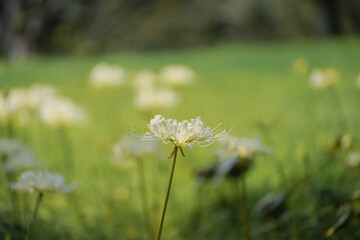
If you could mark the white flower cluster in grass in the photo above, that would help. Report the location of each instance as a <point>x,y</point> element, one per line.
<point>13,106</point>
<point>183,134</point>
<point>20,105</point>
<point>154,91</point>
<point>37,94</point>
<point>41,181</point>
<point>127,148</point>
<point>145,79</point>
<point>20,160</point>
<point>147,99</point>
<point>107,75</point>
<point>241,147</point>
<point>176,75</point>
<point>16,157</point>
<point>16,100</point>
<point>320,79</point>
<point>353,159</point>
<point>8,147</point>
<point>61,112</point>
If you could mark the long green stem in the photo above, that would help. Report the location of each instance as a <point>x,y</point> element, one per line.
<point>67,155</point>
<point>14,199</point>
<point>9,129</point>
<point>13,195</point>
<point>246,223</point>
<point>35,213</point>
<point>266,131</point>
<point>158,236</point>
<point>335,96</point>
<point>273,232</point>
<point>144,199</point>
<point>10,177</point>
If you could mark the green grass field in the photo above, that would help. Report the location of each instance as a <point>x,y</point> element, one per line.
<point>238,84</point>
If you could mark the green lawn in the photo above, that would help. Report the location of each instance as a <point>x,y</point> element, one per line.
<point>238,84</point>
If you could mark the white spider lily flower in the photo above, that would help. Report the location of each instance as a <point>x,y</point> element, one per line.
<point>13,105</point>
<point>156,99</point>
<point>232,167</point>
<point>8,147</point>
<point>353,159</point>
<point>145,79</point>
<point>107,75</point>
<point>176,75</point>
<point>249,147</point>
<point>236,156</point>
<point>317,79</point>
<point>242,147</point>
<point>61,112</point>
<point>22,159</point>
<point>320,79</point>
<point>183,134</point>
<point>16,100</point>
<point>40,181</point>
<point>18,104</point>
<point>37,94</point>
<point>127,148</point>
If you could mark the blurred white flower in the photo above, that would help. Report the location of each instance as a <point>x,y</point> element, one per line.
<point>155,99</point>
<point>107,75</point>
<point>183,134</point>
<point>40,181</point>
<point>38,94</point>
<point>243,147</point>
<point>13,106</point>
<point>320,79</point>
<point>128,148</point>
<point>8,147</point>
<point>176,75</point>
<point>353,159</point>
<point>19,160</point>
<point>145,79</point>
<point>16,100</point>
<point>236,156</point>
<point>19,103</point>
<point>346,141</point>
<point>61,112</point>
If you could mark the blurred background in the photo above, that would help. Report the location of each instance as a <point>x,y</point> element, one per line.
<point>80,79</point>
<point>52,26</point>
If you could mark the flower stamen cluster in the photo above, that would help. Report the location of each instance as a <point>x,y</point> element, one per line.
<point>242,147</point>
<point>183,134</point>
<point>41,182</point>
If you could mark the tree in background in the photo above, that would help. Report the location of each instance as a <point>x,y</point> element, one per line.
<point>28,26</point>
